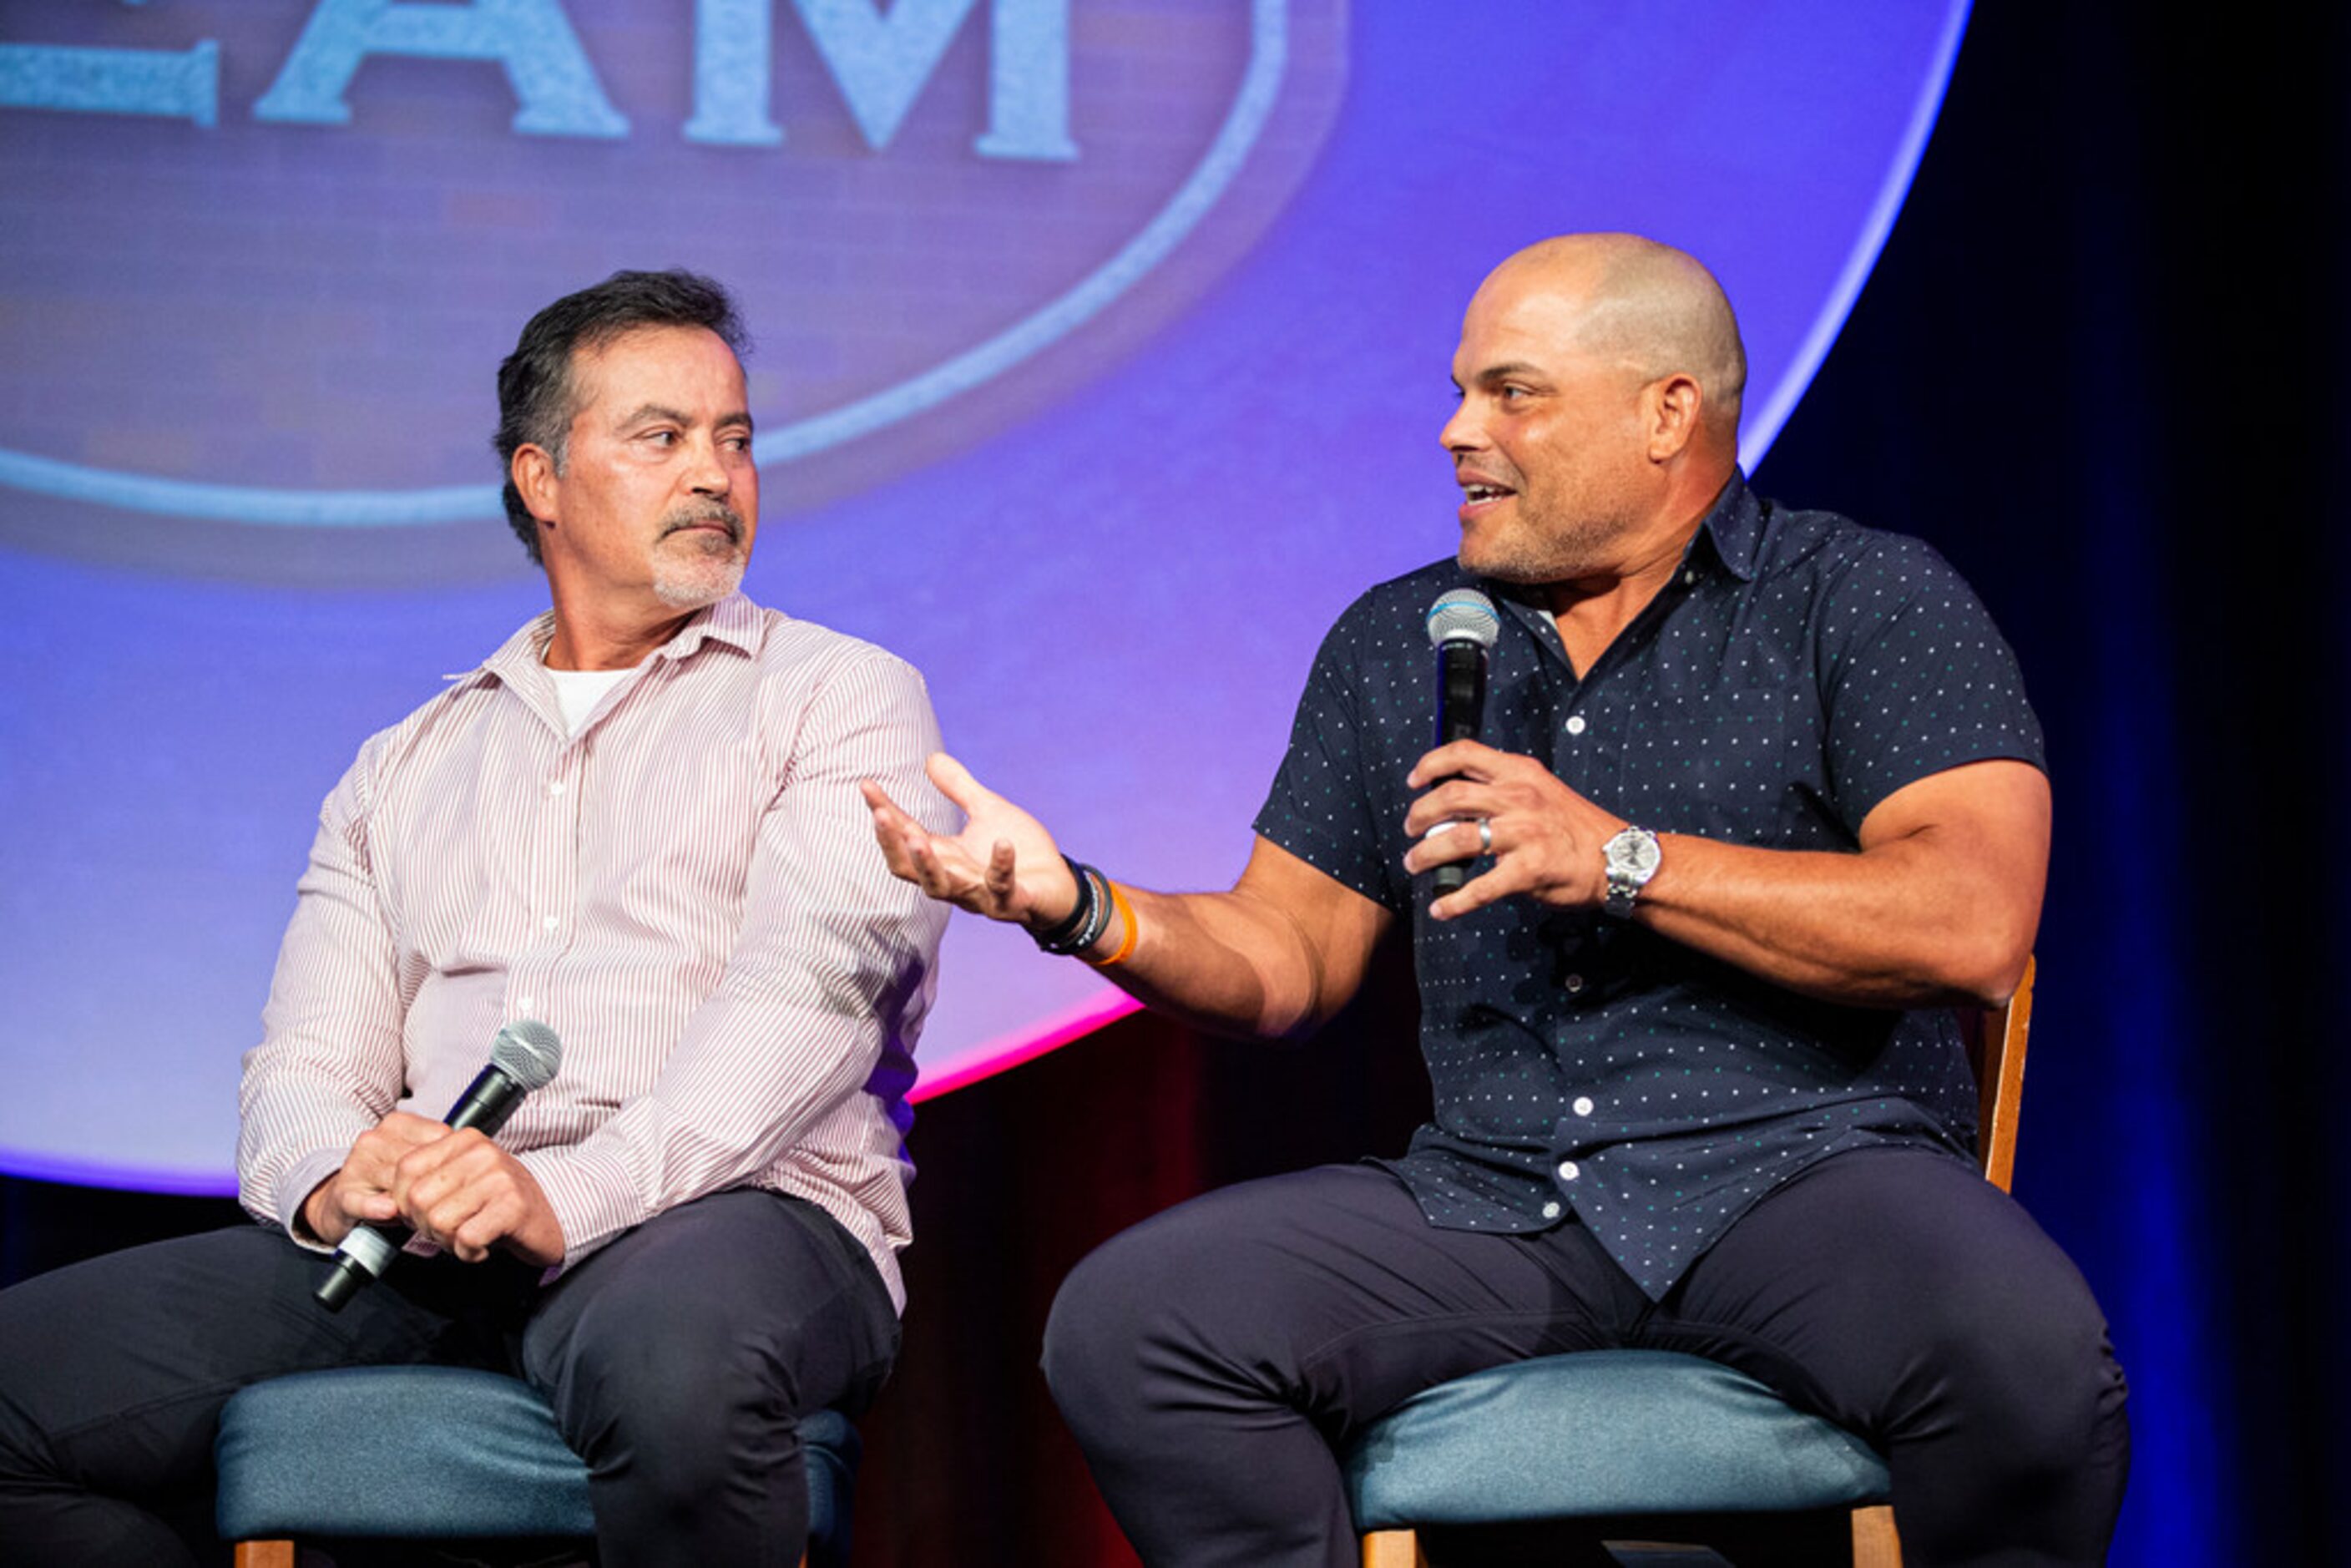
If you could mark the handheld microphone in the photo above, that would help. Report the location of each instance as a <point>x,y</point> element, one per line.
<point>1463,626</point>
<point>523,1057</point>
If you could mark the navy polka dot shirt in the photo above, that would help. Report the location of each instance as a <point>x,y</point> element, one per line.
<point>1798,669</point>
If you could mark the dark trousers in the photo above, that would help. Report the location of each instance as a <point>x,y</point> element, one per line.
<point>678,1360</point>
<point>1210,1359</point>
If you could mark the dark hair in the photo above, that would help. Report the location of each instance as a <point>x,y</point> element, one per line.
<point>536,396</point>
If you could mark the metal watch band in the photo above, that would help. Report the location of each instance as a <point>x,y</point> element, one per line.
<point>1630,859</point>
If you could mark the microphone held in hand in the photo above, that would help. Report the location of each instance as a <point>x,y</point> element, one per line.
<point>1463,626</point>
<point>523,1057</point>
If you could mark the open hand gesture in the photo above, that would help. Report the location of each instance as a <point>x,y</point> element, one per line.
<point>1004,864</point>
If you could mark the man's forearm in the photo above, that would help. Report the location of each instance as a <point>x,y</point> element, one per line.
<point>1939,906</point>
<point>1232,963</point>
<point>1906,924</point>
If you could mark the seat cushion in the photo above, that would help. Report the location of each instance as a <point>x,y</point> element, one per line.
<point>1601,1433</point>
<point>436,1453</point>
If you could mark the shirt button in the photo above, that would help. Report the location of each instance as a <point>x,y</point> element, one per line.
<point>1574,984</point>
<point>1568,1171</point>
<point>1550,1209</point>
<point>554,786</point>
<point>1689,575</point>
<point>524,1004</point>
<point>1582,1107</point>
<point>1575,724</point>
<point>551,922</point>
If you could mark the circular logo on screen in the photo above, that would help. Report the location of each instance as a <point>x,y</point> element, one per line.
<point>267,259</point>
<point>258,263</point>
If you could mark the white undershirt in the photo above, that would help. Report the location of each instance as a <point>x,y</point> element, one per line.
<point>578,691</point>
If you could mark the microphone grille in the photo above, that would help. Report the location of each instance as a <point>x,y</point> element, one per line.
<point>527,1051</point>
<point>1463,616</point>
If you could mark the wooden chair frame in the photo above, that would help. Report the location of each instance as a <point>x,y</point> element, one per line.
<point>1996,1040</point>
<point>281,1554</point>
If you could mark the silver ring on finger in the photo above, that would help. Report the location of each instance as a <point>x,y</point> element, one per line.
<point>1485,835</point>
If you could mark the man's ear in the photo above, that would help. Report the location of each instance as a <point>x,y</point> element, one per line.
<point>1676,407</point>
<point>534,480</point>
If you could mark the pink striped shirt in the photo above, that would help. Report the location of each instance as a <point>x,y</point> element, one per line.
<point>687,890</point>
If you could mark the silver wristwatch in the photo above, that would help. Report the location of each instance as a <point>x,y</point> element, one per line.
<point>1630,859</point>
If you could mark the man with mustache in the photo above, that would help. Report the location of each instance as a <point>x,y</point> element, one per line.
<point>1763,799</point>
<point>638,820</point>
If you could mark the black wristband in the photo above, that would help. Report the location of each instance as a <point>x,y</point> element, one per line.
<point>1087,921</point>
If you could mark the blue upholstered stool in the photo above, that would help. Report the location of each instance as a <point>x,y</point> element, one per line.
<point>1598,1433</point>
<point>443,1453</point>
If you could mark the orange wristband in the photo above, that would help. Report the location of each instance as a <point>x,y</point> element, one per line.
<point>1133,928</point>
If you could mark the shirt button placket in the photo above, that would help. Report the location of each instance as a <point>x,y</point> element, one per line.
<point>1571,754</point>
<point>555,871</point>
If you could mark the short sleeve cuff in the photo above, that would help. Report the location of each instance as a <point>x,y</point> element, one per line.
<point>1281,827</point>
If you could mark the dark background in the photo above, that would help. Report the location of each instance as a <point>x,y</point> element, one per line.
<point>2101,365</point>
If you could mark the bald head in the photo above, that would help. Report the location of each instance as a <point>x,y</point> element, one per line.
<point>1655,308</point>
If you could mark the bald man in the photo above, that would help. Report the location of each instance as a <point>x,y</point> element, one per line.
<point>1760,799</point>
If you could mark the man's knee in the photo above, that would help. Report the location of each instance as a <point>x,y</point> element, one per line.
<point>1222,1297</point>
<point>691,1433</point>
<point>1110,1304</point>
<point>2013,1429</point>
<point>2036,1366</point>
<point>1911,1299</point>
<point>681,1404</point>
<point>689,1354</point>
<point>2008,1337</point>
<point>1188,1294</point>
<point>2014,1361</point>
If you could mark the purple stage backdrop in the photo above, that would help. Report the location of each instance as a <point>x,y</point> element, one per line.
<point>1101,348</point>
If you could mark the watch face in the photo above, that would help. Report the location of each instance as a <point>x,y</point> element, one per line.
<point>1633,853</point>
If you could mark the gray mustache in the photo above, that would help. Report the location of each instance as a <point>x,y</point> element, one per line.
<point>712,514</point>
